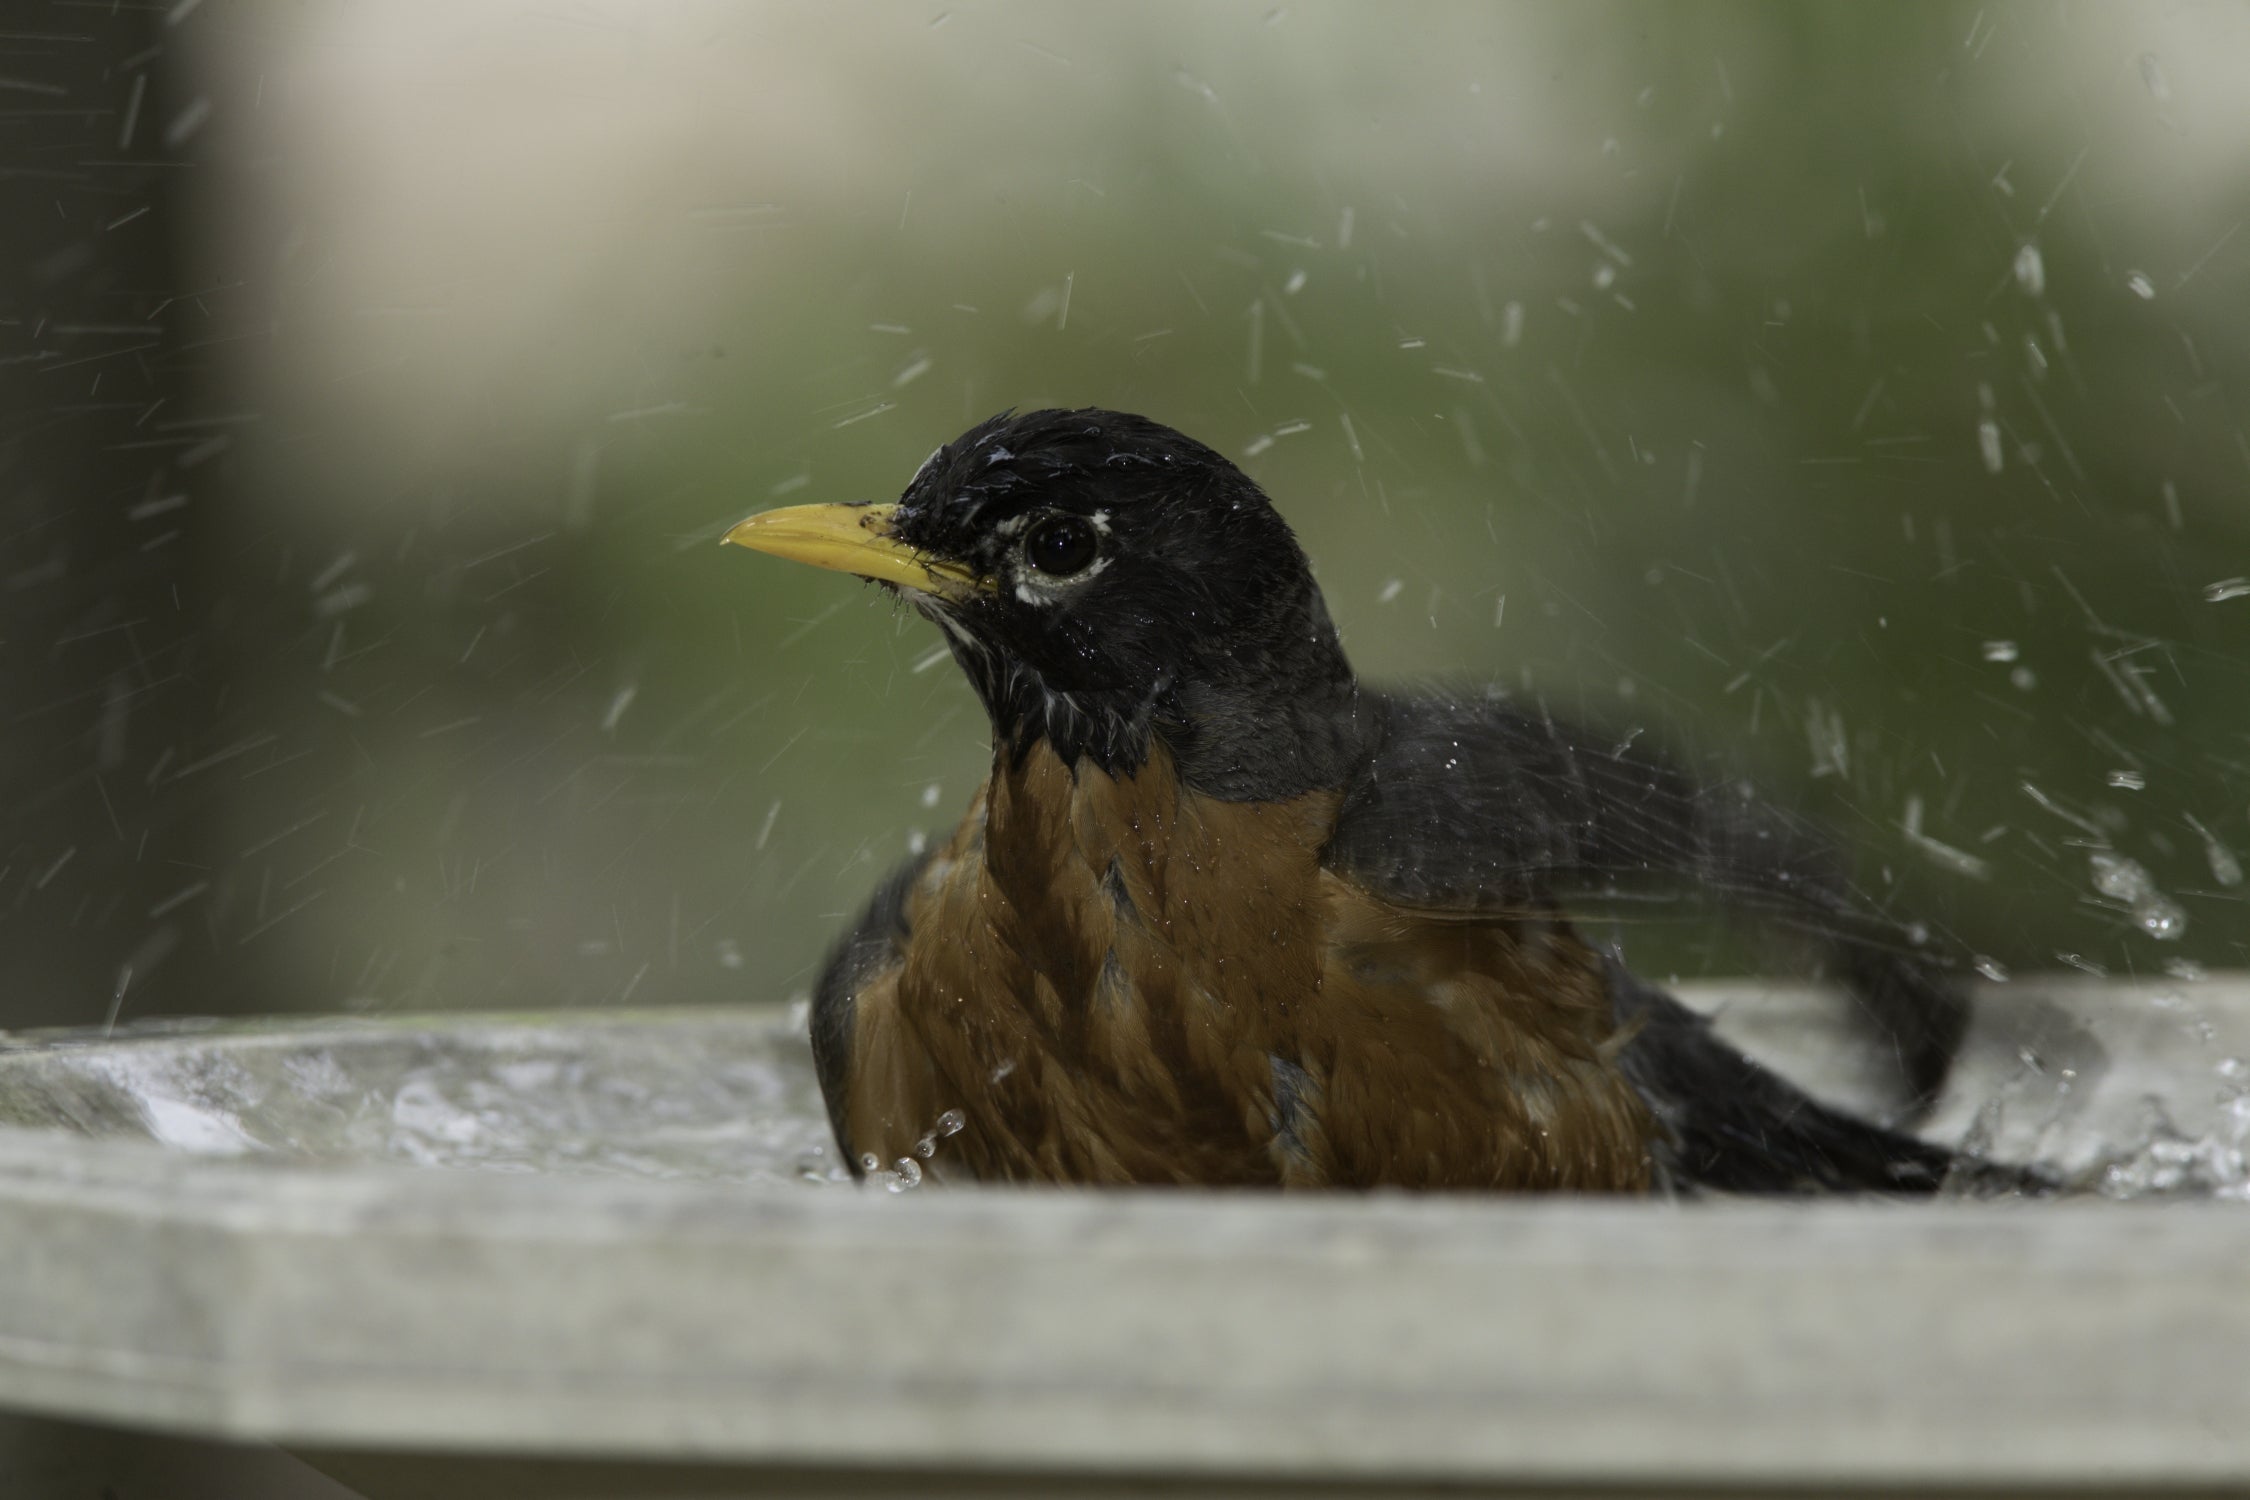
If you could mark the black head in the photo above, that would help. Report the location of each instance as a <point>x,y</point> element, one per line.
<point>1105,580</point>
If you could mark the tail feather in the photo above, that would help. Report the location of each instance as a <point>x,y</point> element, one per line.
<point>1732,1126</point>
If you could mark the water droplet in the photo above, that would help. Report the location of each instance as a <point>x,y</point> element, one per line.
<point>2125,880</point>
<point>2128,781</point>
<point>730,953</point>
<point>1605,276</point>
<point>2119,878</point>
<point>2140,285</point>
<point>909,1174</point>
<point>2160,917</point>
<point>2152,76</point>
<point>930,795</point>
<point>1992,969</point>
<point>1988,444</point>
<point>2000,651</point>
<point>2225,589</point>
<point>2031,271</point>
<point>2225,868</point>
<point>868,1161</point>
<point>2023,679</point>
<point>1391,590</point>
<point>951,1123</point>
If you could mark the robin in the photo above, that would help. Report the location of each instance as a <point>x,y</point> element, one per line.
<point>1223,915</point>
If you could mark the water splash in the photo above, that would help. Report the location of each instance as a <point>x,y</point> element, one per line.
<point>2171,1162</point>
<point>2127,881</point>
<point>710,1096</point>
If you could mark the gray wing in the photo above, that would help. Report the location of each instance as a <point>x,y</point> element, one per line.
<point>1480,806</point>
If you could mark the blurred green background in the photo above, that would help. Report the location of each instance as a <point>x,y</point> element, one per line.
<point>1853,392</point>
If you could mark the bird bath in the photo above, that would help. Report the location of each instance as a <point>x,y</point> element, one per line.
<point>705,1095</point>
<point>611,1253</point>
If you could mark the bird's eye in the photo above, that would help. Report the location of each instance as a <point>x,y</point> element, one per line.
<point>1061,546</point>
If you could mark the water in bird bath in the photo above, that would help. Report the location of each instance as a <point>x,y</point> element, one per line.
<point>2128,1090</point>
<point>723,1096</point>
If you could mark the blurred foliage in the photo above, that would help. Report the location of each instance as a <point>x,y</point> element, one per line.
<point>1851,393</point>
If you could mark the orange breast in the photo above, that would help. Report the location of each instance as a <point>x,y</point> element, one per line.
<point>1116,981</point>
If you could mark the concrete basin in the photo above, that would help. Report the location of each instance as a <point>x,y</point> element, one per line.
<point>609,1255</point>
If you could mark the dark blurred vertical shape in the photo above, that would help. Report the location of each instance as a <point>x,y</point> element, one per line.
<point>105,458</point>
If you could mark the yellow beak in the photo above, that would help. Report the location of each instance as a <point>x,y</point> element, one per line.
<point>852,539</point>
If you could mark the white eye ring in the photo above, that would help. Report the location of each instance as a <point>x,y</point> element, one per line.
<point>1035,585</point>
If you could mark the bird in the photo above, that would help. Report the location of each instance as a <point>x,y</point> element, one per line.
<point>1224,916</point>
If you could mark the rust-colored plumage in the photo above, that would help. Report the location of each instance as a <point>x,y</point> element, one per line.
<point>1221,916</point>
<point>1114,980</point>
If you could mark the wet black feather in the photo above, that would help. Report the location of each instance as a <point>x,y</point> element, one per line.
<point>875,943</point>
<point>1732,1126</point>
